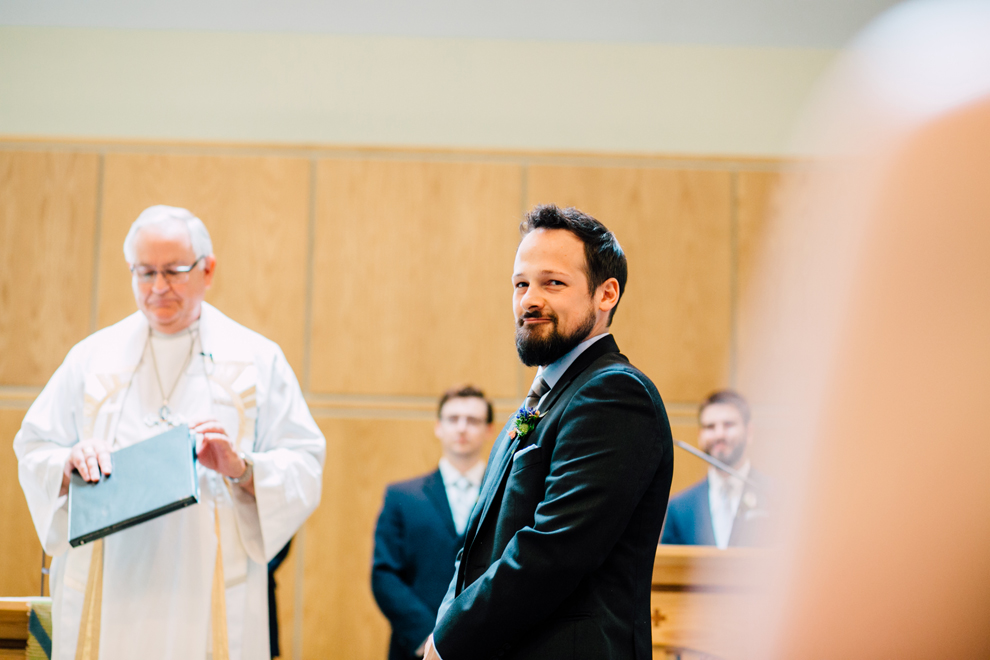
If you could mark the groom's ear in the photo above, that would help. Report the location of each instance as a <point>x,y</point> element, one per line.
<point>607,295</point>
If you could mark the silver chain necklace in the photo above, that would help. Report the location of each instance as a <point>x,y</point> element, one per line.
<point>165,415</point>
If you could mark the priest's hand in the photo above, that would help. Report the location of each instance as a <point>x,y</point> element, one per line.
<point>90,458</point>
<point>217,452</point>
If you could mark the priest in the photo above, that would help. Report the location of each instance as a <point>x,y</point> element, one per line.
<point>191,584</point>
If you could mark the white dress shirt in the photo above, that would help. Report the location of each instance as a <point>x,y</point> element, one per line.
<point>462,490</point>
<point>724,495</point>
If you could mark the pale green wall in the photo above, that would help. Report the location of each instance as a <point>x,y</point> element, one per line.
<point>399,91</point>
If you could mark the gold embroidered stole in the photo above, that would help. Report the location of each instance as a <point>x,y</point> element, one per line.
<point>88,646</point>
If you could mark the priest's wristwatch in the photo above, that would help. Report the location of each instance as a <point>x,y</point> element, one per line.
<point>248,471</point>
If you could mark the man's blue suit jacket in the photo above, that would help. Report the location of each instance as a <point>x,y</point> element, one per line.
<point>415,547</point>
<point>689,520</point>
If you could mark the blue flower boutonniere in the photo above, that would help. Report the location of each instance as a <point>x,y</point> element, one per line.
<point>524,422</point>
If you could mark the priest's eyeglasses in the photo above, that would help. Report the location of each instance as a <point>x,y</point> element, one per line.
<point>172,274</point>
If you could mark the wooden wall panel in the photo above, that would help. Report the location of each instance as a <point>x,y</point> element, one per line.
<point>340,618</point>
<point>756,205</point>
<point>47,224</point>
<point>257,212</point>
<point>688,469</point>
<point>674,320</point>
<point>20,550</point>
<point>411,293</point>
<point>412,285</point>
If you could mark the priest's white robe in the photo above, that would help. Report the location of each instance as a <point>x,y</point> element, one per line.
<point>158,575</point>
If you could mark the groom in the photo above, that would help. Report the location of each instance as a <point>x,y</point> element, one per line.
<point>558,553</point>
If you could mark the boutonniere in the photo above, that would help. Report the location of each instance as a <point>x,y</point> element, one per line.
<point>524,422</point>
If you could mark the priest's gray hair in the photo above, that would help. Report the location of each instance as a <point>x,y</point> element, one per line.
<point>199,237</point>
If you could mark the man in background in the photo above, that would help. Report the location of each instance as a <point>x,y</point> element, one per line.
<point>720,510</point>
<point>421,525</point>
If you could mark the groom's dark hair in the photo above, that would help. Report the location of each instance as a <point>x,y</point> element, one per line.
<point>603,257</point>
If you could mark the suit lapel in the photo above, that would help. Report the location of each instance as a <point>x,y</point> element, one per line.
<point>740,524</point>
<point>583,361</point>
<point>502,448</point>
<point>498,468</point>
<point>436,492</point>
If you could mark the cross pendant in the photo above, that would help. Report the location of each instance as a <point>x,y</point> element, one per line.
<point>165,418</point>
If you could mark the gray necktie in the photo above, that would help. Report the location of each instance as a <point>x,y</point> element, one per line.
<point>536,393</point>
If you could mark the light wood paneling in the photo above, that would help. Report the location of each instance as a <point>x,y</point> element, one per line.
<point>688,469</point>
<point>759,292</point>
<point>340,617</point>
<point>412,263</point>
<point>674,320</point>
<point>755,199</point>
<point>256,210</point>
<point>20,550</point>
<point>47,222</point>
<point>412,289</point>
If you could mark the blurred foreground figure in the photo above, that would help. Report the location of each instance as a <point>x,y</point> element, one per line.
<point>721,510</point>
<point>177,360</point>
<point>877,313</point>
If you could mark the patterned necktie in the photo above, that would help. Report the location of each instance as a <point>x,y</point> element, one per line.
<point>536,393</point>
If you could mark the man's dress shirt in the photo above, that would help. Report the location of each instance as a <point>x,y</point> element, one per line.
<point>462,491</point>
<point>724,495</point>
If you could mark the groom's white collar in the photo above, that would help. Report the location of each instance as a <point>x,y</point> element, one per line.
<point>553,371</point>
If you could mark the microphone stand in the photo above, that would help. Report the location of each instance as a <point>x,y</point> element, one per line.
<point>720,465</point>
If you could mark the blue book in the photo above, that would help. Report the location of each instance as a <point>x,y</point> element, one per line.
<point>148,479</point>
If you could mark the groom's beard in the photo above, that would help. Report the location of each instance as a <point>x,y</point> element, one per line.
<point>538,348</point>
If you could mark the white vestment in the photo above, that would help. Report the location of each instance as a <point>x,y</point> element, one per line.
<point>158,575</point>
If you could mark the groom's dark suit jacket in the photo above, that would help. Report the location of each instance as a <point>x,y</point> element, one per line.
<point>558,554</point>
<point>415,547</point>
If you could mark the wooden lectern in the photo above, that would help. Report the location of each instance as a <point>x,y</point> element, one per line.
<point>25,627</point>
<point>702,601</point>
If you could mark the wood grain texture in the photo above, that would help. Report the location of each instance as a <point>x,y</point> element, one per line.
<point>20,550</point>
<point>688,469</point>
<point>47,225</point>
<point>256,209</point>
<point>340,617</point>
<point>757,202</point>
<point>674,319</point>
<point>411,294</point>
<point>413,266</point>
